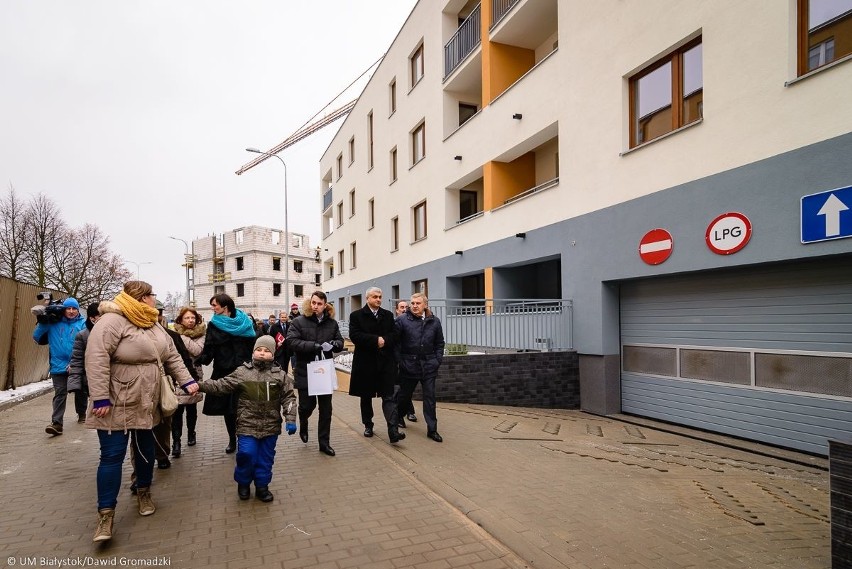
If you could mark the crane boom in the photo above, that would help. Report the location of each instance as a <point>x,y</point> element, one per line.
<point>300,134</point>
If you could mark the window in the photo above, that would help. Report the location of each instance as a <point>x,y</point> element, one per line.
<point>417,65</point>
<point>317,279</point>
<point>340,262</point>
<point>238,236</point>
<point>421,286</point>
<point>351,203</point>
<point>419,214</point>
<point>241,289</point>
<point>395,234</point>
<point>467,204</point>
<point>239,263</point>
<point>339,165</point>
<point>339,214</point>
<point>393,165</point>
<point>351,150</point>
<point>677,77</point>
<point>276,263</point>
<point>371,213</point>
<point>276,289</point>
<point>418,143</point>
<point>353,255</point>
<point>825,32</point>
<point>299,291</point>
<point>392,96</point>
<point>370,140</point>
<point>276,237</point>
<point>219,289</point>
<point>395,293</point>
<point>465,112</point>
<point>297,266</point>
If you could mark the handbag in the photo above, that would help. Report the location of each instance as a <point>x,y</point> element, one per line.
<point>168,400</point>
<point>322,377</point>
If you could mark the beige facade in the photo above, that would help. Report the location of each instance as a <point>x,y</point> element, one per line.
<point>547,89</point>
<point>249,264</point>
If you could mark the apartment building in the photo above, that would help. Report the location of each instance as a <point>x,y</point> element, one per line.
<point>679,169</point>
<point>250,265</point>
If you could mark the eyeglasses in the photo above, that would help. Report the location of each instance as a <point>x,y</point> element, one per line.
<point>150,294</point>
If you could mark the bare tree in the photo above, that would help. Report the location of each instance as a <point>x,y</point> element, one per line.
<point>172,303</point>
<point>46,227</point>
<point>13,234</point>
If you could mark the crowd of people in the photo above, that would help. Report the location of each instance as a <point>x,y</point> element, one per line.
<point>115,361</point>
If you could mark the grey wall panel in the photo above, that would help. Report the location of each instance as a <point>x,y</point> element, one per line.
<point>795,421</point>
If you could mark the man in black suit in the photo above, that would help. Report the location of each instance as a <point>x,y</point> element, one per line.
<point>372,331</point>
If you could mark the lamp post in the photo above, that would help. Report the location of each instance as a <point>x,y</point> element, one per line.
<point>286,228</point>
<point>137,266</point>
<point>186,264</point>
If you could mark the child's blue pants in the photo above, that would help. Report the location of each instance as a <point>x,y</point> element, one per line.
<point>254,459</point>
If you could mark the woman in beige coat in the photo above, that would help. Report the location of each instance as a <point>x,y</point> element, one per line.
<point>122,366</point>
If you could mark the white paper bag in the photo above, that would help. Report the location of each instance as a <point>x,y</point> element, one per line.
<point>322,378</point>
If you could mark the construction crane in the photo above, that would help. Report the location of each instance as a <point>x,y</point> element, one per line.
<point>300,134</point>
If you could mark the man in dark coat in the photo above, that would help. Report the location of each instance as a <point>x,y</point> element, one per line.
<point>372,331</point>
<point>278,330</point>
<point>419,351</point>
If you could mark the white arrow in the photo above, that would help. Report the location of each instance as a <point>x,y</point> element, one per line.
<point>831,210</point>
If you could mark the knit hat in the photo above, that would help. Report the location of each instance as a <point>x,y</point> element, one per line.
<point>294,305</point>
<point>267,342</point>
<point>159,305</point>
<point>92,310</point>
<point>71,302</point>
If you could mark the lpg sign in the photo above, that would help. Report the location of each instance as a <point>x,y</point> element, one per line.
<point>728,233</point>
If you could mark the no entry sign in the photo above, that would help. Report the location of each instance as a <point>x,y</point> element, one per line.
<point>656,246</point>
<point>728,233</point>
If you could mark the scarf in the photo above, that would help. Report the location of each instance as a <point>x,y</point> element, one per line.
<point>238,325</point>
<point>139,313</point>
<point>199,331</point>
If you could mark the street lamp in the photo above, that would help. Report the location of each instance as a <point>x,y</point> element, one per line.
<point>286,228</point>
<point>137,266</point>
<point>187,262</point>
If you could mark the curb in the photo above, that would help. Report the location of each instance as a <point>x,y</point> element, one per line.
<point>23,398</point>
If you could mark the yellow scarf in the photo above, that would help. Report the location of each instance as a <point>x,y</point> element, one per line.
<point>139,313</point>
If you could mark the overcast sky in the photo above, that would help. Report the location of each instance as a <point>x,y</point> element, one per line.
<point>134,115</point>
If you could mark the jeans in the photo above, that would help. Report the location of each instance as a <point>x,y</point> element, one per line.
<point>254,460</point>
<point>60,394</point>
<point>113,450</point>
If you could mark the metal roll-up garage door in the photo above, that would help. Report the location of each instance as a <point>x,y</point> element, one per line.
<point>759,353</point>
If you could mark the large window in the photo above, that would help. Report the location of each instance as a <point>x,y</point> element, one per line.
<point>240,264</point>
<point>340,262</point>
<point>418,143</point>
<point>276,289</point>
<point>417,65</point>
<point>339,165</point>
<point>825,32</point>
<point>241,289</point>
<point>667,95</point>
<point>419,218</point>
<point>297,266</point>
<point>468,204</point>
<point>339,214</point>
<point>276,263</point>
<point>298,291</point>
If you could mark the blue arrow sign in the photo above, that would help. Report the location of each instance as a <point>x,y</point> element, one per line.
<point>827,215</point>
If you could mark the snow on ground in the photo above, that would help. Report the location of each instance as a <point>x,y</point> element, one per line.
<point>24,390</point>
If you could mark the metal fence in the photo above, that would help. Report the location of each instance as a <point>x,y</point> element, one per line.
<point>490,324</point>
<point>464,41</point>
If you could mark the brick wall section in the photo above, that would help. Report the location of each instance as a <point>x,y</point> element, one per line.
<point>526,379</point>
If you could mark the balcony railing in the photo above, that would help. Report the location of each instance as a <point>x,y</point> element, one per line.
<point>218,277</point>
<point>463,42</point>
<point>326,200</point>
<point>500,8</point>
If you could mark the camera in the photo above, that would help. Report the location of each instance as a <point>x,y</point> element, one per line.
<point>50,311</point>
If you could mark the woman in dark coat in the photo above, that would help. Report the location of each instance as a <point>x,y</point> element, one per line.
<point>314,333</point>
<point>228,343</point>
<point>372,331</point>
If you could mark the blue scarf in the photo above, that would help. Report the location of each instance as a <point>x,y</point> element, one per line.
<point>239,325</point>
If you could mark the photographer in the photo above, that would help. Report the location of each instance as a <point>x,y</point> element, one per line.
<point>58,332</point>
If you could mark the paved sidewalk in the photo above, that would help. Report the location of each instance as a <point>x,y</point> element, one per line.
<point>508,488</point>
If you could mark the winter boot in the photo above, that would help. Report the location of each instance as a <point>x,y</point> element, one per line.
<point>104,530</point>
<point>190,438</point>
<point>263,494</point>
<point>146,503</point>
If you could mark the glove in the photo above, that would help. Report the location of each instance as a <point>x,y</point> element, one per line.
<point>326,347</point>
<point>291,428</point>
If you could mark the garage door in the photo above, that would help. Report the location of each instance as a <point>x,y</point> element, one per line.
<point>764,354</point>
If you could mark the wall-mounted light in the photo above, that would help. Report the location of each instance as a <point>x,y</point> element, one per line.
<point>457,157</point>
<point>459,252</point>
<point>517,116</point>
<point>521,235</point>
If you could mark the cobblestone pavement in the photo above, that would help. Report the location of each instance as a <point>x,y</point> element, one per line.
<point>508,487</point>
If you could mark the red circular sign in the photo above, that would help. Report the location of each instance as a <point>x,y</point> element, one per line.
<point>728,233</point>
<point>656,246</point>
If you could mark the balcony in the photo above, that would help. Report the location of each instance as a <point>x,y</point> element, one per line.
<point>500,8</point>
<point>326,199</point>
<point>463,42</point>
<point>218,277</point>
